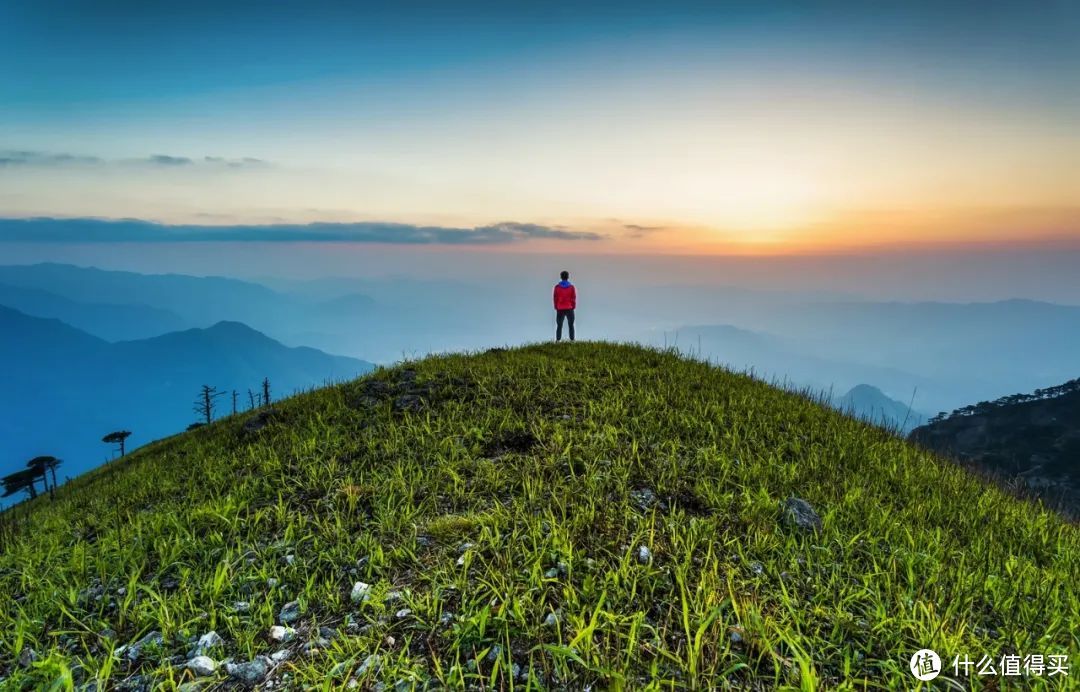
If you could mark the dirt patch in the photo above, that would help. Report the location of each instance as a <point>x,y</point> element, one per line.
<point>513,442</point>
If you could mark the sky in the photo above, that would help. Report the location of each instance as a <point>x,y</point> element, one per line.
<point>690,129</point>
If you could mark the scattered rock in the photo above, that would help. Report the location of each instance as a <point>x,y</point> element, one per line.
<point>757,569</point>
<point>645,499</point>
<point>290,613</point>
<point>133,651</point>
<point>281,655</point>
<point>403,613</point>
<point>208,641</point>
<point>202,666</point>
<point>736,635</point>
<point>27,657</point>
<point>282,634</point>
<point>394,596</point>
<point>272,582</point>
<point>494,653</point>
<point>328,633</point>
<point>242,606</point>
<point>551,620</point>
<point>800,515</point>
<point>446,618</point>
<point>644,555</point>
<point>251,672</point>
<point>361,592</point>
<point>370,665</point>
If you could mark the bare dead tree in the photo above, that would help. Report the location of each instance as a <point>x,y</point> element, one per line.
<point>204,405</point>
<point>251,399</point>
<point>266,391</point>
<point>234,402</point>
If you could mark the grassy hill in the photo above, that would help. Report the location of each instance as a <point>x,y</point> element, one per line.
<point>553,517</point>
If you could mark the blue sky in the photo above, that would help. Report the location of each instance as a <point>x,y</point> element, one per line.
<point>764,126</point>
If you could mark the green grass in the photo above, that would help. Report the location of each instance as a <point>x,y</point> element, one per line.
<point>508,495</point>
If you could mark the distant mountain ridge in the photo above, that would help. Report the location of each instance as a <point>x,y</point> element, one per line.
<point>870,403</point>
<point>110,321</point>
<point>63,388</point>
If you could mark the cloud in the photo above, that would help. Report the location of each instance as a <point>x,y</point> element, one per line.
<point>634,230</point>
<point>88,230</point>
<point>43,159</point>
<point>14,157</point>
<point>166,160</point>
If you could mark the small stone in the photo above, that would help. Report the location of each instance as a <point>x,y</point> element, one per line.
<point>644,555</point>
<point>281,655</point>
<point>27,657</point>
<point>282,634</point>
<point>551,620</point>
<point>202,666</point>
<point>242,606</point>
<point>251,672</point>
<point>736,635</point>
<point>122,591</point>
<point>799,514</point>
<point>361,592</point>
<point>645,499</point>
<point>290,612</point>
<point>272,582</point>
<point>208,641</point>
<point>465,547</point>
<point>757,569</point>
<point>403,613</point>
<point>134,651</point>
<point>394,596</point>
<point>289,559</point>
<point>328,633</point>
<point>551,573</point>
<point>370,664</point>
<point>446,618</point>
<point>494,654</point>
<point>390,641</point>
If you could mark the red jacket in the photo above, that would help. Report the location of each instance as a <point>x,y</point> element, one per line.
<point>565,296</point>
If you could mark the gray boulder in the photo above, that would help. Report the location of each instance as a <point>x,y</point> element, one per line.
<point>800,515</point>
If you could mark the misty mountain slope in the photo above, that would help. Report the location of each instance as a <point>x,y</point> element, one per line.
<point>199,300</point>
<point>557,517</point>
<point>991,348</point>
<point>1035,438</point>
<point>63,389</point>
<point>783,360</point>
<point>112,322</point>
<point>871,404</point>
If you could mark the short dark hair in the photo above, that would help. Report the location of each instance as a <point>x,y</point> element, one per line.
<point>564,275</point>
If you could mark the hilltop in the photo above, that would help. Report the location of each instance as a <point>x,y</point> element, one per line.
<point>549,517</point>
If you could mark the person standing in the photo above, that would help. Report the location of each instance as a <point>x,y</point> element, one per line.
<point>565,297</point>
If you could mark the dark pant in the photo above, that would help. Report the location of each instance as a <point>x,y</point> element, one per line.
<point>561,315</point>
